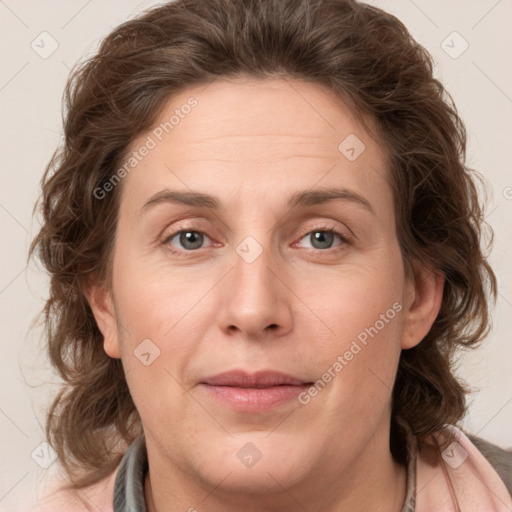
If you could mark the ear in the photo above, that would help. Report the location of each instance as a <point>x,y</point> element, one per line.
<point>102,306</point>
<point>422,304</point>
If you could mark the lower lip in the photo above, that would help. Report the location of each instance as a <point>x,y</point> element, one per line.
<point>254,399</point>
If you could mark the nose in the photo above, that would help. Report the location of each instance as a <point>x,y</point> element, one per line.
<point>256,300</point>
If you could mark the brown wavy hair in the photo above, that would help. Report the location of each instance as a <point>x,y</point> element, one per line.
<point>364,55</point>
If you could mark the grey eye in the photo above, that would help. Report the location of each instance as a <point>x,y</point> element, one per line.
<point>321,239</point>
<point>189,240</point>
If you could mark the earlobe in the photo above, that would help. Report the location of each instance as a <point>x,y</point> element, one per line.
<point>102,306</point>
<point>422,308</point>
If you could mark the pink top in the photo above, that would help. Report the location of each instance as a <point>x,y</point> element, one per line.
<point>455,476</point>
<point>451,475</point>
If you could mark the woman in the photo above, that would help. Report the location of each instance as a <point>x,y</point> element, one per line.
<point>264,249</point>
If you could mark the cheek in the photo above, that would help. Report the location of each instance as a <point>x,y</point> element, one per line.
<point>354,297</point>
<point>356,369</point>
<point>156,332</point>
<point>362,313</point>
<point>152,300</point>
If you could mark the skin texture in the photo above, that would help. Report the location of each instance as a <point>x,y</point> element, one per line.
<point>295,308</point>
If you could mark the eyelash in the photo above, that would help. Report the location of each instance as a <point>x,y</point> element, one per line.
<point>323,228</point>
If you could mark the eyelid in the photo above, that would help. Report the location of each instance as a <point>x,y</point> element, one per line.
<point>327,227</point>
<point>185,224</point>
<point>166,238</point>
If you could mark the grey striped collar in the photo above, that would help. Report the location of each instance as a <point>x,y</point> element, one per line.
<point>129,485</point>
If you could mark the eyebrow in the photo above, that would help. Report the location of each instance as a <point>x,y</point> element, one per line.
<point>300,199</point>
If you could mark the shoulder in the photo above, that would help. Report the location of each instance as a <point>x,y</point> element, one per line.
<point>499,458</point>
<point>60,497</point>
<point>456,471</point>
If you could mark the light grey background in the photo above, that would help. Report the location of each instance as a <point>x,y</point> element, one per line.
<point>31,87</point>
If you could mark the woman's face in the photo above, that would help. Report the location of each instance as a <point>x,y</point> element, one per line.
<point>289,267</point>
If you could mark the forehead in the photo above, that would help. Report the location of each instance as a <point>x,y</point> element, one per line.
<point>247,135</point>
<point>296,112</point>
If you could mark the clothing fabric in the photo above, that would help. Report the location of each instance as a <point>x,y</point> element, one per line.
<point>446,472</point>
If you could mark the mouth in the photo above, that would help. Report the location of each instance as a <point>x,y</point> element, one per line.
<point>253,392</point>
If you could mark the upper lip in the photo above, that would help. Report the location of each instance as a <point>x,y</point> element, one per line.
<point>260,379</point>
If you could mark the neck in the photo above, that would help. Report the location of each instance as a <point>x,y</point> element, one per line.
<point>373,481</point>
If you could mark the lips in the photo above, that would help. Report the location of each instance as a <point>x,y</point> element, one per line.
<point>260,380</point>
<point>253,392</point>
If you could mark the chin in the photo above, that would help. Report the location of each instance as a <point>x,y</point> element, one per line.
<point>257,464</point>
<point>261,480</point>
